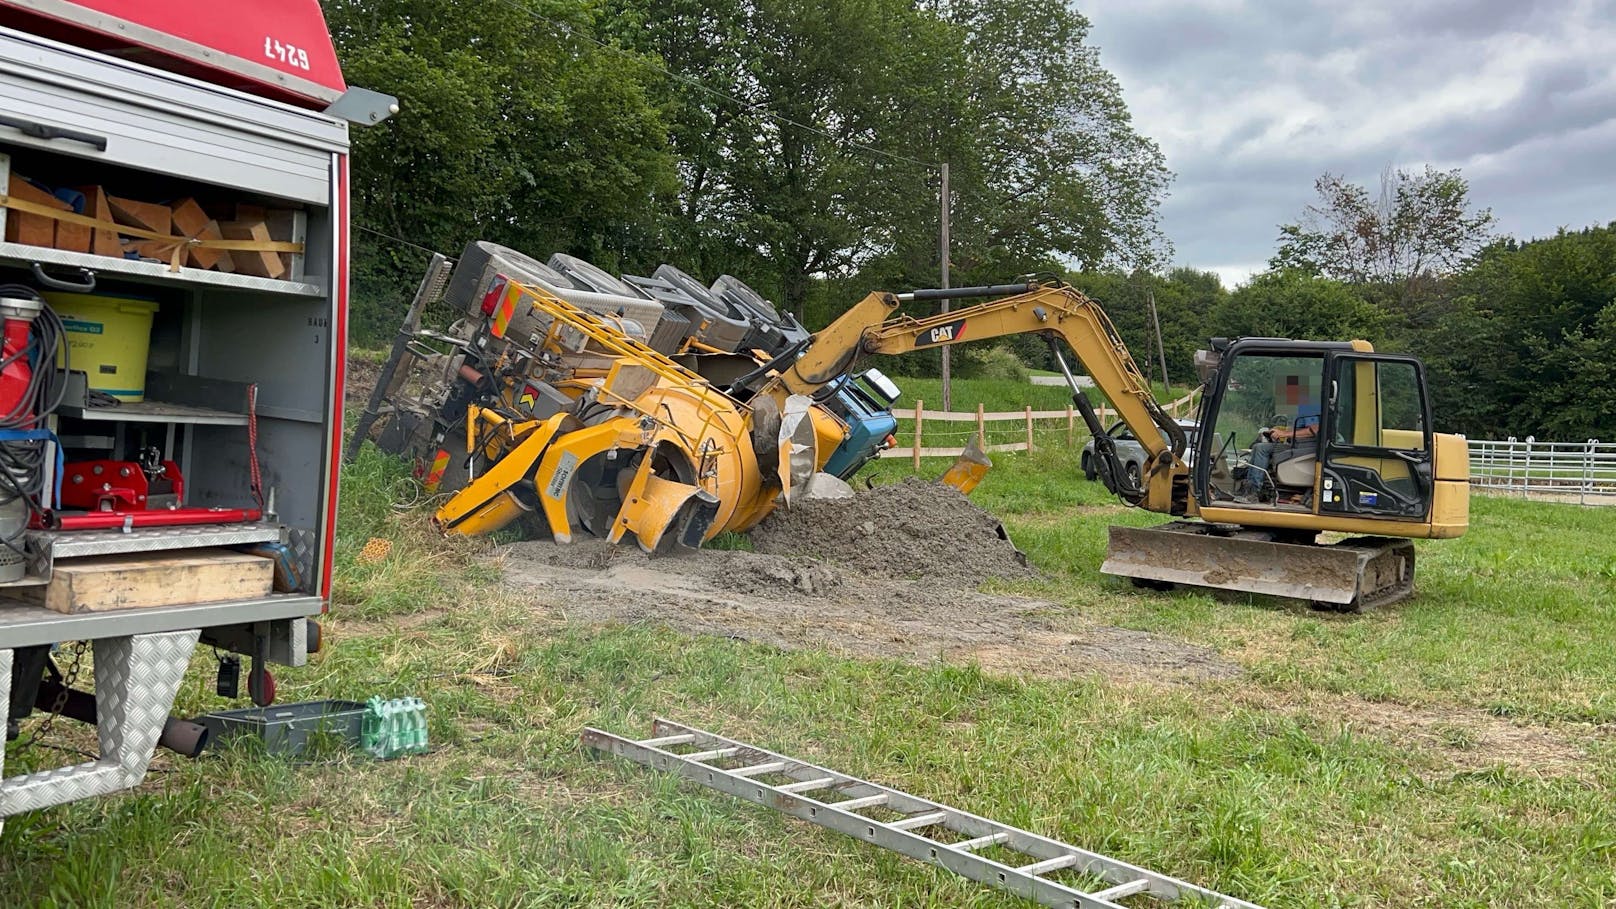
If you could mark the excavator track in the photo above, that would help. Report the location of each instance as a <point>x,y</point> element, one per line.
<point>1349,576</point>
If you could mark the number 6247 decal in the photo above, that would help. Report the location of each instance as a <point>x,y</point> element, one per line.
<point>288,54</point>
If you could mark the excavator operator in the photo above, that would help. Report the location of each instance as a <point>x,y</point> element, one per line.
<point>1305,429</point>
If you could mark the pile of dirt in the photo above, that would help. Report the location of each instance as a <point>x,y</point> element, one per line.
<point>890,573</point>
<point>915,529</point>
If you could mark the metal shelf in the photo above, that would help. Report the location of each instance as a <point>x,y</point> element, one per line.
<point>156,412</point>
<point>68,544</point>
<point>25,624</point>
<point>153,272</point>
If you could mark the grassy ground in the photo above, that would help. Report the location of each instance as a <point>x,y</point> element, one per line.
<point>1456,750</point>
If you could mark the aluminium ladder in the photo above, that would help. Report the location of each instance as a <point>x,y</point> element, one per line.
<point>907,834</point>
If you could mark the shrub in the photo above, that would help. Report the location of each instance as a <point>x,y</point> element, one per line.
<point>992,363</point>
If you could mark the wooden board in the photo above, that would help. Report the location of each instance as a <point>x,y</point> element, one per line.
<point>73,237</point>
<point>24,227</point>
<point>105,583</point>
<point>263,264</point>
<point>147,215</point>
<point>105,242</point>
<point>191,222</point>
<point>282,224</point>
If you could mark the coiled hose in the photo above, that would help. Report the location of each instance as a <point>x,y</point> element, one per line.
<point>22,463</point>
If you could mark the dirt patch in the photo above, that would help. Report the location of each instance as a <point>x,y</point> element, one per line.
<point>802,602</point>
<point>361,379</point>
<point>891,573</point>
<point>1470,739</point>
<point>1461,739</point>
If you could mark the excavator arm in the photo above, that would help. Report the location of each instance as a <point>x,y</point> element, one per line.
<point>1055,310</point>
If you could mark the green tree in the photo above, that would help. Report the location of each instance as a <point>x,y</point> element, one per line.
<point>1527,340</point>
<point>1287,303</point>
<point>1418,228</point>
<point>1046,165</point>
<point>508,130</point>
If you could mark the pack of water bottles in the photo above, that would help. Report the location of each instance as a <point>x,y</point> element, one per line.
<point>393,728</point>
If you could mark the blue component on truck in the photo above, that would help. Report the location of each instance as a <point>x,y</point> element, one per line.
<point>864,402</point>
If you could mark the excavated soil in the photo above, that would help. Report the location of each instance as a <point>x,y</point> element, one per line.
<point>890,573</point>
<point>914,529</point>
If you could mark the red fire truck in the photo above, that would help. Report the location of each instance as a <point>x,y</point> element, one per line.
<point>173,285</point>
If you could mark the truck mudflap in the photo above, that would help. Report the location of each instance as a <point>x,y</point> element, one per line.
<point>136,678</point>
<point>1352,575</point>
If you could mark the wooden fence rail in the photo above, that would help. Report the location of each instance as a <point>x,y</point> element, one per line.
<point>1026,416</point>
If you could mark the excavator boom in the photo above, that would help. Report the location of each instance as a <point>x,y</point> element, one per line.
<point>1057,311</point>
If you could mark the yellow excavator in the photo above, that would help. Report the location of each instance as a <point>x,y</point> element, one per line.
<point>1357,455</point>
<point>569,418</point>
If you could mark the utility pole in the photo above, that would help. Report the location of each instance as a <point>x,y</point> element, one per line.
<point>942,247</point>
<point>1161,353</point>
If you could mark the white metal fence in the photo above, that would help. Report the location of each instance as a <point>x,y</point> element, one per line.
<point>1583,472</point>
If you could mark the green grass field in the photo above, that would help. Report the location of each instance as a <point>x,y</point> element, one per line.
<point>1456,750</point>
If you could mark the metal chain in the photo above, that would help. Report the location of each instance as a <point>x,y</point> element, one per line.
<point>60,703</point>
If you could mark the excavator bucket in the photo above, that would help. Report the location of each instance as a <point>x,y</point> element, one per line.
<point>1350,576</point>
<point>969,468</point>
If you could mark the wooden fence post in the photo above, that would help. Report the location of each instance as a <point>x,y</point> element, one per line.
<point>981,427</point>
<point>920,418</point>
<point>1071,428</point>
<point>1029,428</point>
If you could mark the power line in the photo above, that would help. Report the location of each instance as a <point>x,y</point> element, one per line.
<point>699,85</point>
<point>388,236</point>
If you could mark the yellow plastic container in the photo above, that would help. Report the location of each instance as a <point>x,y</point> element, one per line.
<point>108,339</point>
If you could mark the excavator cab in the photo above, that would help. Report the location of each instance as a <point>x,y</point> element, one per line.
<point>1315,428</point>
<point>1300,438</point>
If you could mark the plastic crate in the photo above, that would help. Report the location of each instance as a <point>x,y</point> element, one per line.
<point>287,728</point>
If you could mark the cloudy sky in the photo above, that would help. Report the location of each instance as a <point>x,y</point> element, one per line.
<point>1251,101</point>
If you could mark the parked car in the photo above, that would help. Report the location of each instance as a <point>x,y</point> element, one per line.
<point>1132,453</point>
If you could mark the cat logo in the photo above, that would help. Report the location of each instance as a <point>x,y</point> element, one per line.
<point>942,334</point>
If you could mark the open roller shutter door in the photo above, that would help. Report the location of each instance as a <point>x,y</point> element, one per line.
<point>164,123</point>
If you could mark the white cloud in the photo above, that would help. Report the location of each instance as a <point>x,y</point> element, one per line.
<point>1235,275</point>
<point>1250,103</point>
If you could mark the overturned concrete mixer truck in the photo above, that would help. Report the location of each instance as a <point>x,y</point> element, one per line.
<point>650,405</point>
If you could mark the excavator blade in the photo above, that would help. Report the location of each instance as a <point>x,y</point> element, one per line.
<point>1351,575</point>
<point>969,468</point>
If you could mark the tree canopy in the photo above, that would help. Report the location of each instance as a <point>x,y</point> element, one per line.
<point>1527,341</point>
<point>1418,227</point>
<point>505,131</point>
<point>787,143</point>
